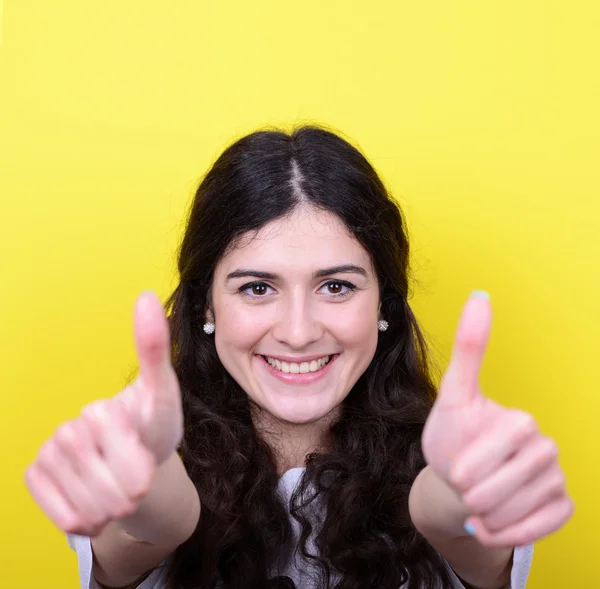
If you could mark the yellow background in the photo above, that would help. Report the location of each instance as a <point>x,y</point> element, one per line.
<point>482,116</point>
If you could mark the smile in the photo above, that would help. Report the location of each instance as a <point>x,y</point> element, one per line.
<point>298,373</point>
<point>297,368</point>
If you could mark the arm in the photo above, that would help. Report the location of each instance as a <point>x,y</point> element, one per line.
<point>439,515</point>
<point>167,516</point>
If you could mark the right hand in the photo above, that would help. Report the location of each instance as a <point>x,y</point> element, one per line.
<point>98,467</point>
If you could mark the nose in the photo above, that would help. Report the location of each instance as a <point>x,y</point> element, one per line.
<point>298,324</point>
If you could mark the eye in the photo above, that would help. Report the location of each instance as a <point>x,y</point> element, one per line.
<point>254,289</point>
<point>339,288</point>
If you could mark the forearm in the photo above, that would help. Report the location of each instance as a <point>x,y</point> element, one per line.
<point>439,515</point>
<point>169,513</point>
<point>166,517</point>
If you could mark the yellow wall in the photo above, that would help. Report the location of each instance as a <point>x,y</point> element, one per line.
<point>481,115</point>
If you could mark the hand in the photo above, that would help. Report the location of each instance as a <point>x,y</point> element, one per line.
<point>505,471</point>
<point>98,467</point>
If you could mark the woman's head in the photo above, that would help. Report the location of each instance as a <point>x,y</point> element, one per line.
<point>296,314</point>
<point>296,251</point>
<point>289,209</point>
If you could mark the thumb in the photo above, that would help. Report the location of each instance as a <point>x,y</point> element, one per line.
<point>154,399</point>
<point>152,342</point>
<point>460,384</point>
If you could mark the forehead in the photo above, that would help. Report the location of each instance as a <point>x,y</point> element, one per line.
<point>307,236</point>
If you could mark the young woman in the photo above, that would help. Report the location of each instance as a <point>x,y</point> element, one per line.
<point>284,429</point>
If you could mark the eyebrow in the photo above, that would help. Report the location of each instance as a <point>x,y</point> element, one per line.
<point>342,269</point>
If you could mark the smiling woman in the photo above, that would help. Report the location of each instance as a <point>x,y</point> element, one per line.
<point>291,378</point>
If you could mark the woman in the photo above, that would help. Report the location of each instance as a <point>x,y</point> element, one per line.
<point>284,429</point>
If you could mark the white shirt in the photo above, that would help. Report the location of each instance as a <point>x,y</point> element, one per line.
<point>299,570</point>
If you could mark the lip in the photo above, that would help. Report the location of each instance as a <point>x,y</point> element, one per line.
<point>306,378</point>
<point>298,359</point>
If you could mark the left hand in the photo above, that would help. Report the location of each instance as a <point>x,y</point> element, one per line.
<point>505,471</point>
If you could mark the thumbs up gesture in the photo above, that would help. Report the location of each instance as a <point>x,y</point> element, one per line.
<point>98,467</point>
<point>504,470</point>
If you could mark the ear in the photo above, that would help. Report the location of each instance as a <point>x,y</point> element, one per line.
<point>208,312</point>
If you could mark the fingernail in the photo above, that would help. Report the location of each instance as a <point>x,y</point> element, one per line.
<point>481,293</point>
<point>470,529</point>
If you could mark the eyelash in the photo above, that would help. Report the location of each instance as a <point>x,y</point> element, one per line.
<point>351,288</point>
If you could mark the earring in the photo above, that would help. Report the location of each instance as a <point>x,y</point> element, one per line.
<point>382,325</point>
<point>208,327</point>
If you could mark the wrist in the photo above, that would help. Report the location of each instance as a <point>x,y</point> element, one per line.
<point>435,508</point>
<point>438,513</point>
<point>169,512</point>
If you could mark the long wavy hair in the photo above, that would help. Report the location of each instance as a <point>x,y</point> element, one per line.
<point>362,483</point>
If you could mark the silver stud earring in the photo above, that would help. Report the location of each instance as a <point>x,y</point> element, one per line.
<point>382,325</point>
<point>208,327</point>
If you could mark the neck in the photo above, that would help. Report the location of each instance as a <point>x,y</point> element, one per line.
<point>293,442</point>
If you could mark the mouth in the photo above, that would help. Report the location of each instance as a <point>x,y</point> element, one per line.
<point>298,372</point>
<point>298,367</point>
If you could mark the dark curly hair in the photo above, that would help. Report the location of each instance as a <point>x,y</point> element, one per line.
<point>366,538</point>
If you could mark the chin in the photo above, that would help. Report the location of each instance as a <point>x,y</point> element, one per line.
<point>301,415</point>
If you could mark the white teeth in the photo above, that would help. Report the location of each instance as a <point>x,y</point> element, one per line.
<point>295,368</point>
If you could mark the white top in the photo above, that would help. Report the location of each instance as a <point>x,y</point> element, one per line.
<point>298,570</point>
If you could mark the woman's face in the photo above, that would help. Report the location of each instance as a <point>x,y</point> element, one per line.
<point>296,308</point>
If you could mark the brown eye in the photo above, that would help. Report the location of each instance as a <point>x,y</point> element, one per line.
<point>339,289</point>
<point>255,290</point>
<point>259,289</point>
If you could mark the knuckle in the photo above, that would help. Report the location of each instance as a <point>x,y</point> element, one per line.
<point>474,503</point>
<point>113,407</point>
<point>487,541</point>
<point>549,448</point>
<point>93,520</point>
<point>65,434</point>
<point>569,507</point>
<point>31,476</point>
<point>123,510</point>
<point>525,423</point>
<point>99,521</point>
<point>46,453</point>
<point>143,490</point>
<point>91,411</point>
<point>71,523</point>
<point>520,538</point>
<point>492,523</point>
<point>559,481</point>
<point>456,479</point>
<point>458,476</point>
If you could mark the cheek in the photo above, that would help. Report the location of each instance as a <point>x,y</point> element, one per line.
<point>238,328</point>
<point>356,330</point>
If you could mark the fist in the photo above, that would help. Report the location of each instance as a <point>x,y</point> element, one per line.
<point>98,467</point>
